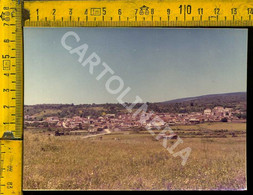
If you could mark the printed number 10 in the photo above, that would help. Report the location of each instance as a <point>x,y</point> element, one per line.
<point>187,9</point>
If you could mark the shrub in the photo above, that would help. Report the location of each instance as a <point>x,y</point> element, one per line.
<point>224,119</point>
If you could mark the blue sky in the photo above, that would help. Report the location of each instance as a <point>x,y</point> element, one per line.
<point>159,64</point>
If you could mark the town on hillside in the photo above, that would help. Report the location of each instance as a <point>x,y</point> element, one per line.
<point>121,122</point>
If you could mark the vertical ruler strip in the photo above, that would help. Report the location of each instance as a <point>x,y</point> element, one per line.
<point>19,72</point>
<point>11,96</point>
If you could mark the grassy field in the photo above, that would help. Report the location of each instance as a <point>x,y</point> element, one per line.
<point>134,161</point>
<point>212,126</point>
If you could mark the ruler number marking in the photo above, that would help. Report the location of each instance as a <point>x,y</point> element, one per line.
<point>37,11</point>
<point>187,9</point>
<point>5,16</point>
<point>216,11</point>
<point>119,12</point>
<point>86,12</point>
<point>53,12</point>
<point>233,11</point>
<point>250,10</point>
<point>168,11</point>
<point>104,10</point>
<point>9,185</point>
<point>6,90</point>
<point>70,11</point>
<point>144,10</point>
<point>200,11</point>
<point>5,106</point>
<point>5,56</point>
<point>6,40</point>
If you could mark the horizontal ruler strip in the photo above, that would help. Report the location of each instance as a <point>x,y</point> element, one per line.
<point>138,13</point>
<point>138,24</point>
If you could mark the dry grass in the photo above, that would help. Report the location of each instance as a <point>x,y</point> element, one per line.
<point>133,161</point>
<point>212,126</point>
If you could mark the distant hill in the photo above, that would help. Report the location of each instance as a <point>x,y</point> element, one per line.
<point>236,97</point>
<point>195,104</point>
<point>182,105</point>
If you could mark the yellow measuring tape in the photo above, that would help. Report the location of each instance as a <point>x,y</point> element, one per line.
<point>139,13</point>
<point>14,14</point>
<point>11,97</point>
